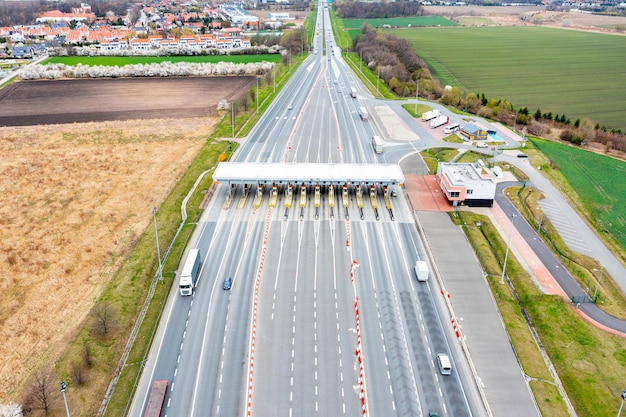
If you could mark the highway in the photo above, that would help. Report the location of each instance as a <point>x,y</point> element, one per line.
<point>325,316</point>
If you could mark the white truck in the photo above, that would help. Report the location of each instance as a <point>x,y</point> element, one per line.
<point>438,121</point>
<point>189,274</point>
<point>426,116</point>
<point>353,92</point>
<point>363,113</point>
<point>421,271</point>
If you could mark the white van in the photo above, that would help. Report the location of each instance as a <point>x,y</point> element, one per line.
<point>454,127</point>
<point>443,362</point>
<point>481,145</point>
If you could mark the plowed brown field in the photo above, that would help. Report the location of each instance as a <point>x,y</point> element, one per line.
<point>75,196</point>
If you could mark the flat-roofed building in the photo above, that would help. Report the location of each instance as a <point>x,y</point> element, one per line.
<point>471,184</point>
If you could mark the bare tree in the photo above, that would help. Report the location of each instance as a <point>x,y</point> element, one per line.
<point>103,318</point>
<point>41,395</point>
<point>87,361</point>
<point>78,373</point>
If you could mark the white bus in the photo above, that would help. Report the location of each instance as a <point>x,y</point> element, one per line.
<point>377,144</point>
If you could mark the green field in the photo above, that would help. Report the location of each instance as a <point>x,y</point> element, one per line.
<point>129,60</point>
<point>420,21</point>
<point>580,74</point>
<point>598,181</point>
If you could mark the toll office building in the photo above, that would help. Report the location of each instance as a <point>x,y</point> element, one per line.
<point>468,184</point>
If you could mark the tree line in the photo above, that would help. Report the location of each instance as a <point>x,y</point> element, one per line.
<point>394,60</point>
<point>378,10</point>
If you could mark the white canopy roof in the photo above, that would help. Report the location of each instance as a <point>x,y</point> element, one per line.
<point>279,173</point>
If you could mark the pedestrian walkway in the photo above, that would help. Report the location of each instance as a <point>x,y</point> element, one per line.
<point>524,253</point>
<point>560,212</point>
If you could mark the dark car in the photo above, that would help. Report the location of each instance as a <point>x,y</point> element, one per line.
<point>522,155</point>
<point>228,283</point>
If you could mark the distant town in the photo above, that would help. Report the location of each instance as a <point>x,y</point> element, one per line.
<point>159,25</point>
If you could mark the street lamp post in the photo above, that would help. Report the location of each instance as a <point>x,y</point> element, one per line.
<point>232,118</point>
<point>377,79</point>
<point>622,404</point>
<point>417,89</point>
<point>361,61</point>
<point>156,233</point>
<point>257,94</point>
<point>540,221</point>
<point>508,245</point>
<point>595,292</point>
<point>63,386</point>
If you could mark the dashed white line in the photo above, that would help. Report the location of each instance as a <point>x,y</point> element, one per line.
<point>178,360</point>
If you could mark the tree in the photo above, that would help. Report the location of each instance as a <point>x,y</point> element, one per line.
<point>103,316</point>
<point>133,15</point>
<point>472,103</point>
<point>538,114</point>
<point>41,394</point>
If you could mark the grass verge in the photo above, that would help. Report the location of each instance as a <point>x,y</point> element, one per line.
<point>581,353</point>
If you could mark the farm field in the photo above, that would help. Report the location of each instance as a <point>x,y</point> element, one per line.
<point>598,181</point>
<point>579,74</point>
<point>30,103</point>
<point>420,21</point>
<point>129,60</point>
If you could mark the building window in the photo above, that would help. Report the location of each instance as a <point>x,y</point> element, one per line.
<point>470,191</point>
<point>454,193</point>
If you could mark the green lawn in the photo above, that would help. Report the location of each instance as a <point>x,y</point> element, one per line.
<point>419,21</point>
<point>129,60</point>
<point>598,181</point>
<point>580,74</point>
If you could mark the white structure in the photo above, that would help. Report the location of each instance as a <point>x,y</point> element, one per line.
<point>280,173</point>
<point>469,184</point>
<point>278,16</point>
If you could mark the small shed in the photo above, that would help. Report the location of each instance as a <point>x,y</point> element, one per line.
<point>473,132</point>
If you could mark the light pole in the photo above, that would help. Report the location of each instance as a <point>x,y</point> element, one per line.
<point>156,233</point>
<point>622,405</point>
<point>377,79</point>
<point>540,221</point>
<point>67,409</point>
<point>361,61</point>
<point>257,94</point>
<point>232,118</point>
<point>508,245</point>
<point>417,89</point>
<point>595,293</point>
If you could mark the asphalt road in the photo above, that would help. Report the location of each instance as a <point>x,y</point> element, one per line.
<point>286,339</point>
<point>554,266</point>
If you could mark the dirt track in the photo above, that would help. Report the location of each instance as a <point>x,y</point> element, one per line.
<point>29,103</point>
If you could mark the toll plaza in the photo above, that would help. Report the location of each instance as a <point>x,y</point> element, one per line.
<point>298,179</point>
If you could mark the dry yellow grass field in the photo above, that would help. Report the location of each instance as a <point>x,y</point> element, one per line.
<point>74,198</point>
